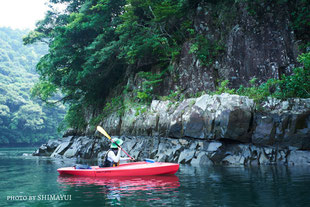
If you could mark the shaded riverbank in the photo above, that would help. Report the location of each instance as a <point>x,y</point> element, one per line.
<point>185,151</point>
<point>219,129</point>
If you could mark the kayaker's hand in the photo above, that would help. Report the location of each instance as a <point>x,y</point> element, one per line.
<point>132,158</point>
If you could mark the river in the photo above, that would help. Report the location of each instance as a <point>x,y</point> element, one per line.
<point>34,181</point>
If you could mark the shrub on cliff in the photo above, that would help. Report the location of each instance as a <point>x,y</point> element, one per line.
<point>296,85</point>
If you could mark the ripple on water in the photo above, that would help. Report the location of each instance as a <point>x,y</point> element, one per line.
<point>192,186</point>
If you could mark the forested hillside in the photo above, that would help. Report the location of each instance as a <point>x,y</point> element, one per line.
<point>112,55</point>
<point>23,120</point>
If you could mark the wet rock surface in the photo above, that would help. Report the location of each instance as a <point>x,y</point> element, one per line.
<point>195,152</point>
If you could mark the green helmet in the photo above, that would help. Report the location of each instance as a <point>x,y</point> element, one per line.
<point>117,141</point>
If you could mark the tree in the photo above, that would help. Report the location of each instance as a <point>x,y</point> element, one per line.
<point>22,119</point>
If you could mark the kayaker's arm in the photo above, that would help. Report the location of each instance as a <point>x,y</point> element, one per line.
<point>125,158</point>
<point>112,156</point>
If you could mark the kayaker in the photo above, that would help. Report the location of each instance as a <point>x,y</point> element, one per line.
<point>113,155</point>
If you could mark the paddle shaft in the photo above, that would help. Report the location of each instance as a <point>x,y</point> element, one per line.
<point>101,130</point>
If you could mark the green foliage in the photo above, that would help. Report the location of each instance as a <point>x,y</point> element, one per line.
<point>83,46</point>
<point>141,109</point>
<point>22,119</point>
<point>174,96</point>
<point>297,84</point>
<point>75,117</point>
<point>44,90</point>
<point>206,50</point>
<point>257,92</point>
<point>300,16</point>
<point>92,43</point>
<point>97,40</point>
<point>116,104</point>
<point>149,82</point>
<point>223,88</point>
<point>154,29</point>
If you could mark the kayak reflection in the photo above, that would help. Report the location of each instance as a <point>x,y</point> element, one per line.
<point>159,182</point>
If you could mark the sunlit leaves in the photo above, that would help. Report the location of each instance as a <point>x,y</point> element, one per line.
<point>44,90</point>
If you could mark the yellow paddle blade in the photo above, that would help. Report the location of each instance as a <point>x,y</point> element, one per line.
<point>102,131</point>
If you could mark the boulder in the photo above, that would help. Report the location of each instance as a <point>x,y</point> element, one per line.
<point>42,151</point>
<point>128,122</point>
<point>201,159</point>
<point>233,124</point>
<point>129,143</point>
<point>113,123</point>
<point>52,144</point>
<point>264,133</point>
<point>72,151</point>
<point>62,148</point>
<point>186,156</point>
<point>234,160</point>
<point>213,146</point>
<point>297,133</point>
<point>162,109</point>
<point>263,159</point>
<point>70,132</point>
<point>298,157</point>
<point>168,150</point>
<point>47,149</point>
<point>176,124</point>
<point>193,123</point>
<point>86,149</point>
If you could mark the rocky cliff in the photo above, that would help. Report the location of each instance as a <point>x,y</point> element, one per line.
<point>232,40</point>
<point>215,129</point>
<point>235,44</point>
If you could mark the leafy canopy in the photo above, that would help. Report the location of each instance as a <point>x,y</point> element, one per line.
<point>91,44</point>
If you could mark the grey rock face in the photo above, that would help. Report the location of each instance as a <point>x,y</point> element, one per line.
<point>194,124</point>
<point>113,122</point>
<point>265,130</point>
<point>83,147</point>
<point>61,149</point>
<point>288,129</point>
<point>186,156</point>
<point>47,149</point>
<point>219,129</point>
<point>207,117</point>
<point>299,158</point>
<point>201,159</point>
<point>217,117</point>
<point>195,152</point>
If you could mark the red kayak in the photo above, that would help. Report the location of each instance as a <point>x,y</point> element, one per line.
<point>128,169</point>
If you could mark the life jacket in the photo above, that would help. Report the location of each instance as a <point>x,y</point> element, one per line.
<point>107,162</point>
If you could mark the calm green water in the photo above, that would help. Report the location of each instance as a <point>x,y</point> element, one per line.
<point>192,186</point>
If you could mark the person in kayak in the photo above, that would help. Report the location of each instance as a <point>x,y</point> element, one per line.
<point>113,155</point>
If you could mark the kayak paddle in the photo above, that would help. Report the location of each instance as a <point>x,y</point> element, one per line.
<point>102,131</point>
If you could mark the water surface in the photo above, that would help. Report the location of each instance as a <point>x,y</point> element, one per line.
<point>29,177</point>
